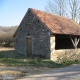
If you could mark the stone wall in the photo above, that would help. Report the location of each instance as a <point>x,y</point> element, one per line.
<point>31,27</point>
<point>63,54</point>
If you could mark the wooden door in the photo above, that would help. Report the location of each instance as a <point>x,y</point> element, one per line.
<point>29,46</point>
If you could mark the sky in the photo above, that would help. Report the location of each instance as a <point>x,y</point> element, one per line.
<point>13,11</point>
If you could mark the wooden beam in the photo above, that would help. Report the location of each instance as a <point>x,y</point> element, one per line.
<point>75,41</point>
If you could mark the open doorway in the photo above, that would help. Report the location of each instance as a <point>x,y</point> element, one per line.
<point>29,46</point>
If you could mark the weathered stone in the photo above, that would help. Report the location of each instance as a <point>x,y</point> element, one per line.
<point>31,27</point>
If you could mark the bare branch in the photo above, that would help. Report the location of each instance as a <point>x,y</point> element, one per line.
<point>57,7</point>
<point>69,8</point>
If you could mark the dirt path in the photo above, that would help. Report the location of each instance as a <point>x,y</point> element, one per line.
<point>67,73</point>
<point>19,72</point>
<point>5,49</point>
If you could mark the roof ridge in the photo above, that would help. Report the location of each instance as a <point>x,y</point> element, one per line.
<point>50,13</point>
<point>41,11</point>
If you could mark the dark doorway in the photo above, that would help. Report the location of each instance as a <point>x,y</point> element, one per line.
<point>29,46</point>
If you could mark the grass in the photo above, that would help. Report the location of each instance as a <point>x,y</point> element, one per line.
<point>10,58</point>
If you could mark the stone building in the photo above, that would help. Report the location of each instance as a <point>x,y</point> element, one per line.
<point>41,33</point>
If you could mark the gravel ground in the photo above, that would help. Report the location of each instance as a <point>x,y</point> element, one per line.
<point>19,72</point>
<point>66,73</point>
<point>5,49</point>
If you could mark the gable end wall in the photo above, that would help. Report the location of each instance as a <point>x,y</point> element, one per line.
<point>31,27</point>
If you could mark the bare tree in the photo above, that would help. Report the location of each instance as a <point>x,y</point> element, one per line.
<point>79,17</point>
<point>56,6</point>
<point>74,9</point>
<point>68,8</point>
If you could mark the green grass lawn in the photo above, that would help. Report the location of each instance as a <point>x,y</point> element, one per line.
<point>10,58</point>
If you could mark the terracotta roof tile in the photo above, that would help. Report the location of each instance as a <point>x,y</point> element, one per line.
<point>58,24</point>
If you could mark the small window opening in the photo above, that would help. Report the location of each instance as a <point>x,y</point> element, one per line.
<point>38,21</point>
<point>28,34</point>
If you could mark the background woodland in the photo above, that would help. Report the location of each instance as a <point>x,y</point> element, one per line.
<point>6,36</point>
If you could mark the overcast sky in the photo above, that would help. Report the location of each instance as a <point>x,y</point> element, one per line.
<point>12,11</point>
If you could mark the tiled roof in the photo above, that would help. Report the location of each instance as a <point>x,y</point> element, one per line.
<point>57,24</point>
